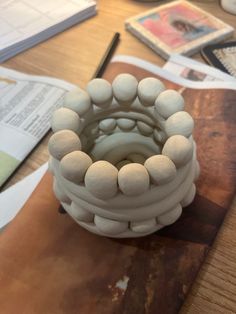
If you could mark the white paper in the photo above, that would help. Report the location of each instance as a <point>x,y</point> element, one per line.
<point>26,106</point>
<point>24,23</point>
<point>194,70</point>
<point>151,67</point>
<point>14,198</point>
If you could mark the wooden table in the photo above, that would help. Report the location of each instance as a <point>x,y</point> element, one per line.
<point>73,56</point>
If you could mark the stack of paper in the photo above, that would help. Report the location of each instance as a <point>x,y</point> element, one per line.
<point>24,23</point>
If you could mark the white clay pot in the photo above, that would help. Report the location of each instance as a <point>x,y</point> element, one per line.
<point>123,156</point>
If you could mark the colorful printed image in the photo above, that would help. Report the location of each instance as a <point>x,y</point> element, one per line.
<point>177,25</point>
<point>193,75</point>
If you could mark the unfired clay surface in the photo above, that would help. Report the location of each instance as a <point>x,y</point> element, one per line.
<point>123,156</point>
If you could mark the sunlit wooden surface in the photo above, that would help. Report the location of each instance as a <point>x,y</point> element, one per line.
<point>73,56</point>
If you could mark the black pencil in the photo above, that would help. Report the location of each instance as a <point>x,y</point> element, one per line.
<point>107,56</point>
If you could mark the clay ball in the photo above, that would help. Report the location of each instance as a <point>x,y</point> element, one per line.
<point>110,227</point>
<point>148,90</point>
<point>101,179</point>
<point>179,123</point>
<point>144,128</point>
<point>133,179</point>
<point>179,149</point>
<point>171,216</point>
<point>125,124</point>
<point>80,214</point>
<point>160,168</point>
<point>125,88</point>
<point>78,101</point>
<point>64,118</point>
<point>143,226</point>
<point>74,166</point>
<point>169,102</point>
<point>60,194</point>
<point>107,125</point>
<point>189,196</point>
<point>62,143</point>
<point>100,92</point>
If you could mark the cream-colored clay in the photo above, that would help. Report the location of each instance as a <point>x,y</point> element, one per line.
<point>125,124</point>
<point>62,143</point>
<point>189,196</point>
<point>144,128</point>
<point>185,175</point>
<point>143,226</point>
<point>159,136</point>
<point>137,164</point>
<point>110,227</point>
<point>179,149</point>
<point>133,179</point>
<point>78,101</point>
<point>168,103</point>
<point>161,169</point>
<point>59,192</point>
<point>179,123</point>
<point>64,118</point>
<point>74,166</point>
<point>100,92</point>
<point>171,216</point>
<point>125,87</point>
<point>78,213</point>
<point>107,125</point>
<point>148,90</point>
<point>101,179</point>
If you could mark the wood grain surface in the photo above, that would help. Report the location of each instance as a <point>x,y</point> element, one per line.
<point>74,55</point>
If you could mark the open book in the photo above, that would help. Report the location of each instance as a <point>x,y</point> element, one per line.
<point>23,24</point>
<point>153,274</point>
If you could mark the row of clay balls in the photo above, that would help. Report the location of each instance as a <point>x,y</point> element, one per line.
<point>102,178</point>
<point>168,104</point>
<point>107,125</point>
<point>114,227</point>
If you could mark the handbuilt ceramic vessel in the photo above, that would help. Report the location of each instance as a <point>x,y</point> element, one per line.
<point>123,156</point>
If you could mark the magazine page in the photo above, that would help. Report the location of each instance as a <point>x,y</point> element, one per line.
<point>194,70</point>
<point>26,106</point>
<point>172,77</point>
<point>169,259</point>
